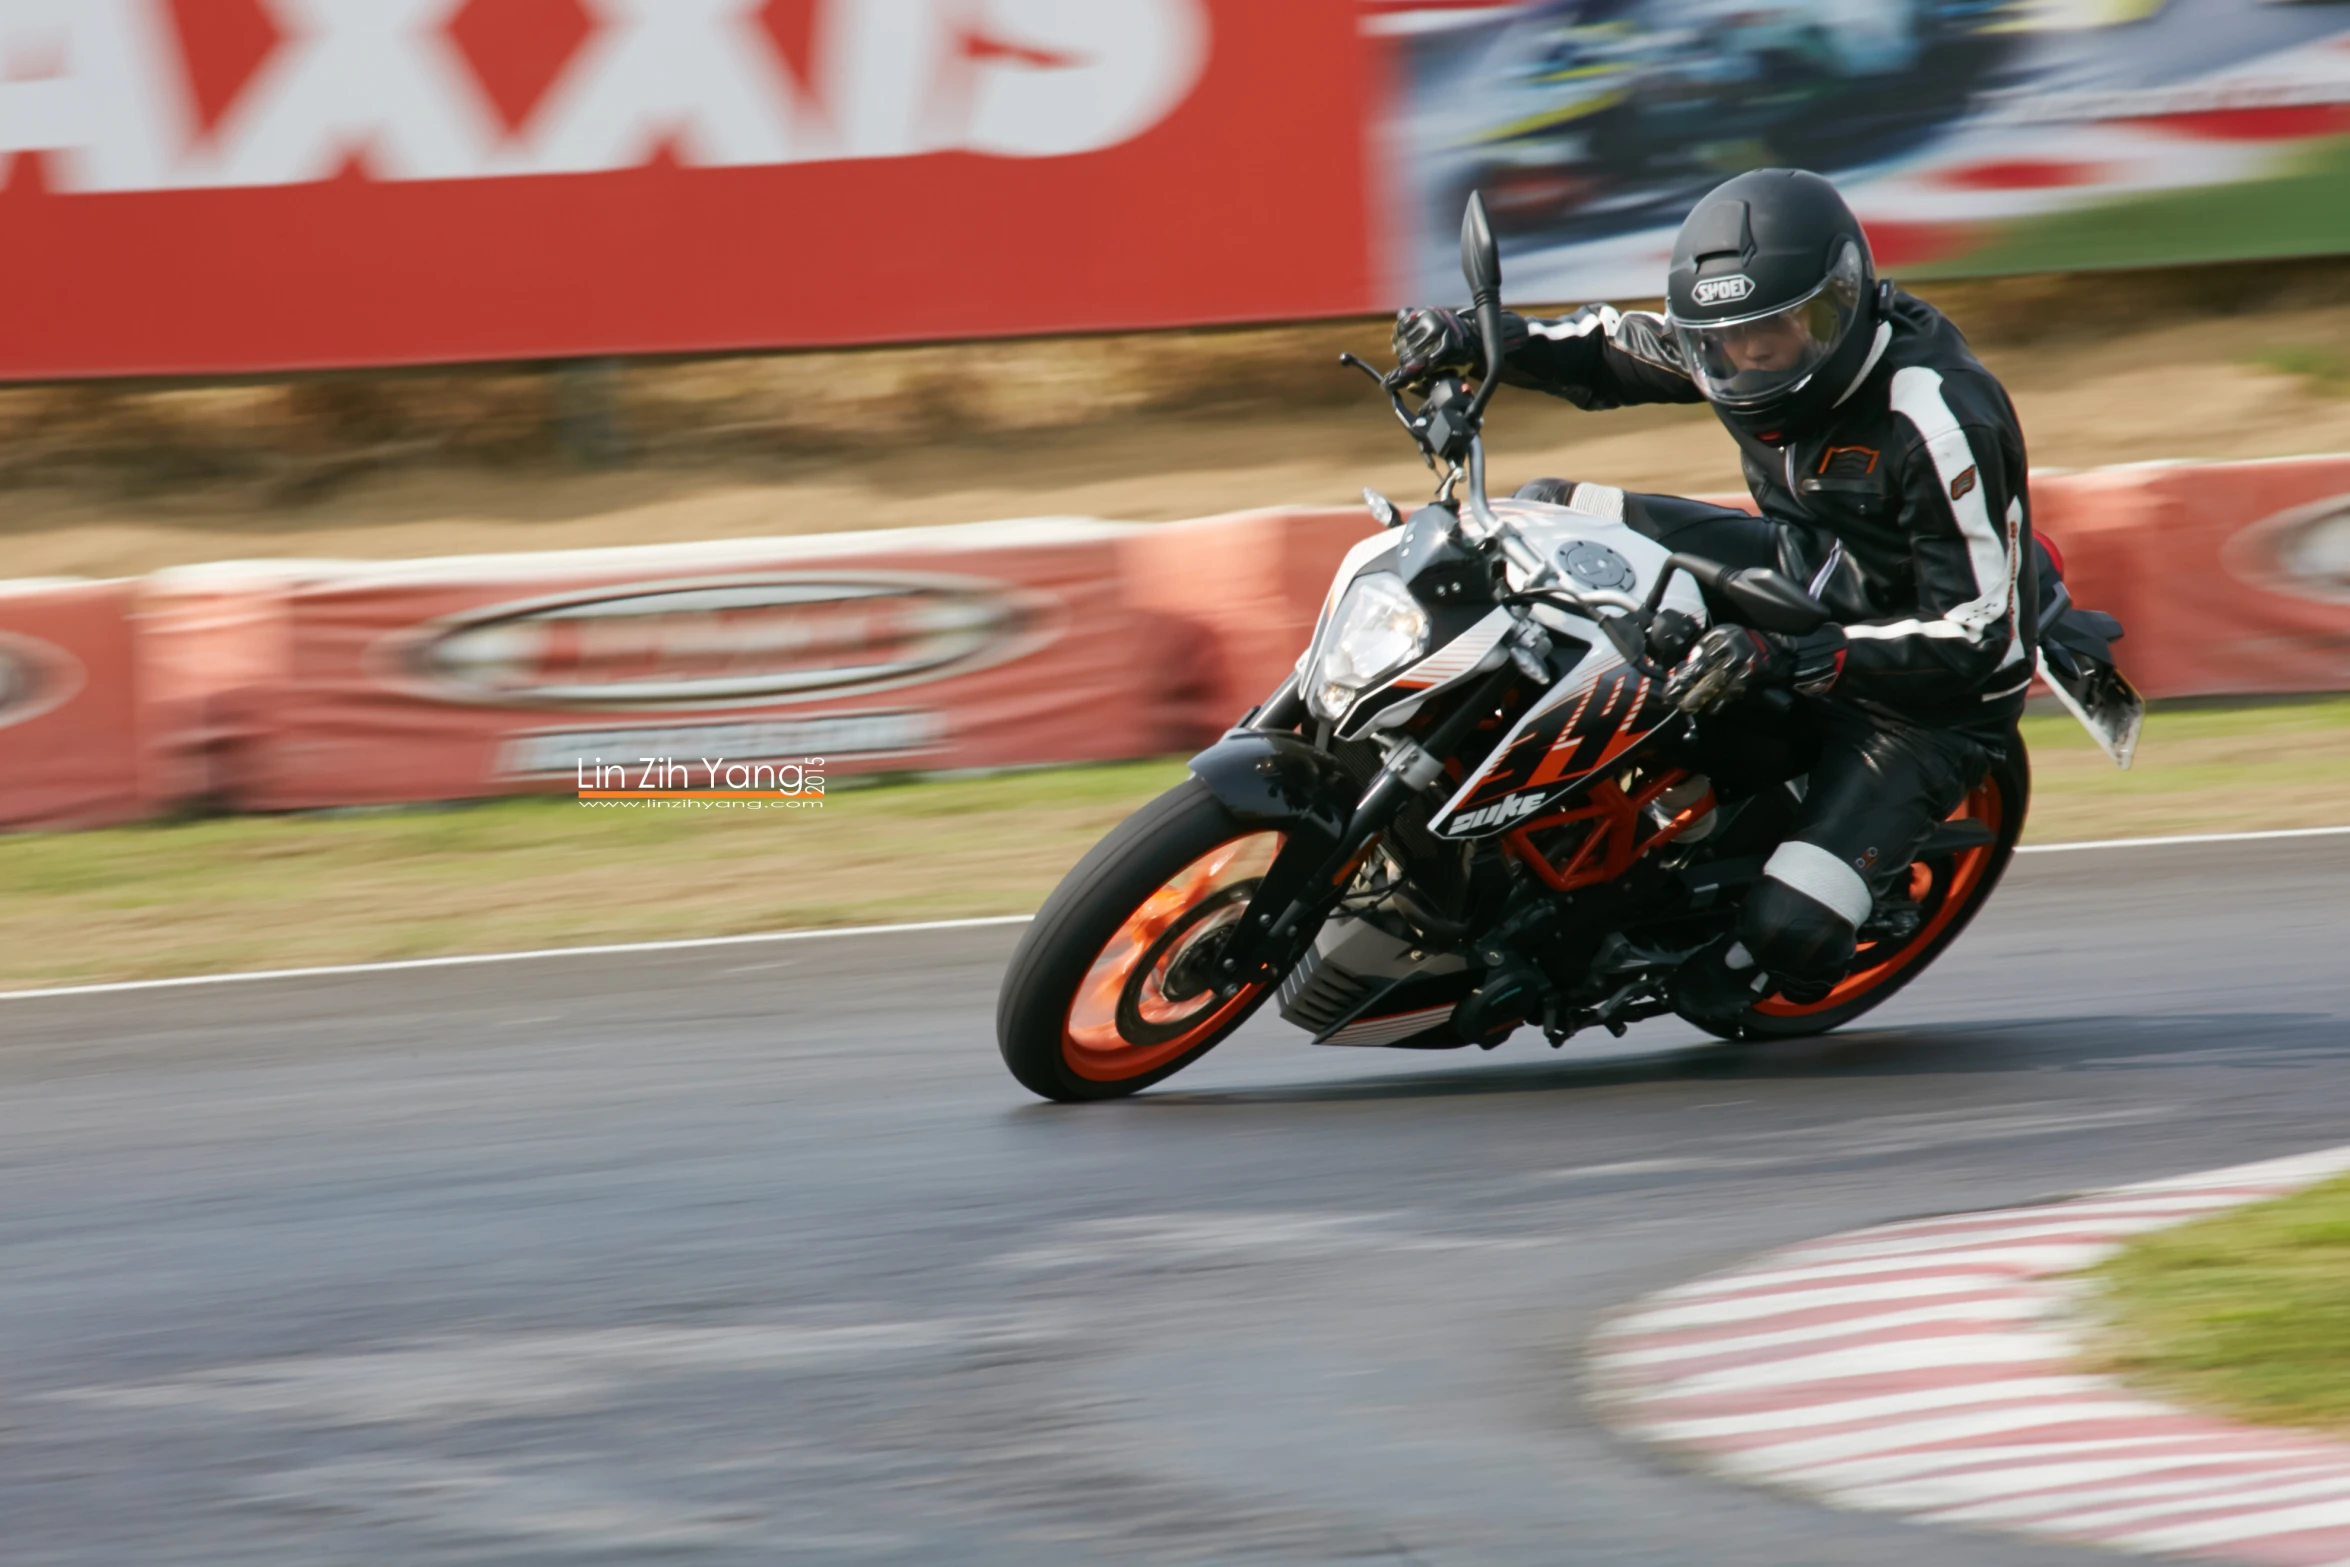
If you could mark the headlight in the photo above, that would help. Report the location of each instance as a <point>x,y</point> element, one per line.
<point>1378,629</point>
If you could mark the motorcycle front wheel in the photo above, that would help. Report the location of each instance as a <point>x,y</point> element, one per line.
<point>1111,989</point>
<point>1949,888</point>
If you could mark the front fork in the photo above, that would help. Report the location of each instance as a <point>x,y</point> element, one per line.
<point>1277,780</point>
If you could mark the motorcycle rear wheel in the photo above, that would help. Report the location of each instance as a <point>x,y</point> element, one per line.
<point>1108,992</point>
<point>1950,888</point>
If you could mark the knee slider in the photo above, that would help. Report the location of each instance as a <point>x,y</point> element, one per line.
<point>1793,935</point>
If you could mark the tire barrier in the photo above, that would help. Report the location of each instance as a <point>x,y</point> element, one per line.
<point>2231,578</point>
<point>292,686</point>
<point>67,705</point>
<point>1244,591</point>
<point>267,686</point>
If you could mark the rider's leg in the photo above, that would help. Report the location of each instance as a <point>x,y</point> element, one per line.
<point>1879,790</point>
<point>1722,534</point>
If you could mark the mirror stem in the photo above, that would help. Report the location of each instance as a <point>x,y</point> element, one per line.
<point>1489,328</point>
<point>1485,526</point>
<point>1480,509</point>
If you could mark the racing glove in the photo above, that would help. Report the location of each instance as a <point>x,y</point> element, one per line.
<point>1430,340</point>
<point>1730,662</point>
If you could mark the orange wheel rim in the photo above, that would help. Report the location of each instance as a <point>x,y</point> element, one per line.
<point>1143,1002</point>
<point>1957,886</point>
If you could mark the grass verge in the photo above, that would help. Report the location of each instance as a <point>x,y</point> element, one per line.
<point>268,892</point>
<point>2298,211</point>
<point>2203,769</point>
<point>2247,1313</point>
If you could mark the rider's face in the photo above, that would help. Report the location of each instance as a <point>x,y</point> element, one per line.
<point>1774,343</point>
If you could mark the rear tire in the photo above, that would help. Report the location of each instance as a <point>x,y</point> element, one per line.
<point>1956,886</point>
<point>1105,995</point>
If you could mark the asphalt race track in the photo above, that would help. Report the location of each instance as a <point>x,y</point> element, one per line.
<point>755,1254</point>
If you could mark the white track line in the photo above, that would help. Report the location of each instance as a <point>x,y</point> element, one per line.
<point>474,959</point>
<point>2191,837</point>
<point>1976,1413</point>
<point>328,971</point>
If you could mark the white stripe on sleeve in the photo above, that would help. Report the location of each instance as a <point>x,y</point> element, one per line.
<point>1948,630</point>
<point>1592,318</point>
<point>1917,397</point>
<point>2015,564</point>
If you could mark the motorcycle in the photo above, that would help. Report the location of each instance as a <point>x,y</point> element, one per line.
<point>1470,808</point>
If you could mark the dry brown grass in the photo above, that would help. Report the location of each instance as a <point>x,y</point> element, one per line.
<point>2214,362</point>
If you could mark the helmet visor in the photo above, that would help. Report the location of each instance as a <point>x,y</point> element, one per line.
<point>1749,362</point>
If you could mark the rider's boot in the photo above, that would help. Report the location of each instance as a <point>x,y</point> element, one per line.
<point>1788,942</point>
<point>1718,983</point>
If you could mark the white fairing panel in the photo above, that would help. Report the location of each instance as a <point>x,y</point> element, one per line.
<point>1556,530</point>
<point>1398,699</point>
<point>1595,553</point>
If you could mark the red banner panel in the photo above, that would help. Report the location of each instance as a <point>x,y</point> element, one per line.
<point>226,185</point>
<point>66,705</point>
<point>2230,578</point>
<point>286,686</point>
<point>1244,591</point>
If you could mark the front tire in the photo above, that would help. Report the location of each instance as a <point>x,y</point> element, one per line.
<point>1107,993</point>
<point>1949,887</point>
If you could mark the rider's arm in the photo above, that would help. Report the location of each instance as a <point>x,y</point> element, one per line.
<point>1598,357</point>
<point>1967,532</point>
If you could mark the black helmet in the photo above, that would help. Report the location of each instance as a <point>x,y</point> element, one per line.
<point>1773,296</point>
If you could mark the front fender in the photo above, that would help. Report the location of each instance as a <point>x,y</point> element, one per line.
<point>1279,781</point>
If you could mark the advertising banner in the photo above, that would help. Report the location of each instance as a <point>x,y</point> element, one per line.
<point>219,186</point>
<point>294,685</point>
<point>1972,136</point>
<point>205,186</point>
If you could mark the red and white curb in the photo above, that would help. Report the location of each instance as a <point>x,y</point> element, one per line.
<point>1929,1369</point>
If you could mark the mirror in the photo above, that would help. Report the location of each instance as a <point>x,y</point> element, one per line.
<point>1480,256</point>
<point>1775,603</point>
<point>1481,265</point>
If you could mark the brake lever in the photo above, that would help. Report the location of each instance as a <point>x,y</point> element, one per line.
<point>1632,642</point>
<point>1392,383</point>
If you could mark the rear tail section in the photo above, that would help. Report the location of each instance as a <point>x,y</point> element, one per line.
<point>2076,659</point>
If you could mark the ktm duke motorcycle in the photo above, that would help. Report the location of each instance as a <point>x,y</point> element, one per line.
<point>1471,807</point>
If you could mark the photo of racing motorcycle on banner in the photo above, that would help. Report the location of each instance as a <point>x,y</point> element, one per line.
<point>1605,114</point>
<point>1975,136</point>
<point>1492,795</point>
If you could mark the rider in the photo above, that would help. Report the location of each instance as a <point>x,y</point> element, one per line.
<point>1889,469</point>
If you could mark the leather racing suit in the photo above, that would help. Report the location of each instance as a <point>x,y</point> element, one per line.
<point>1906,511</point>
